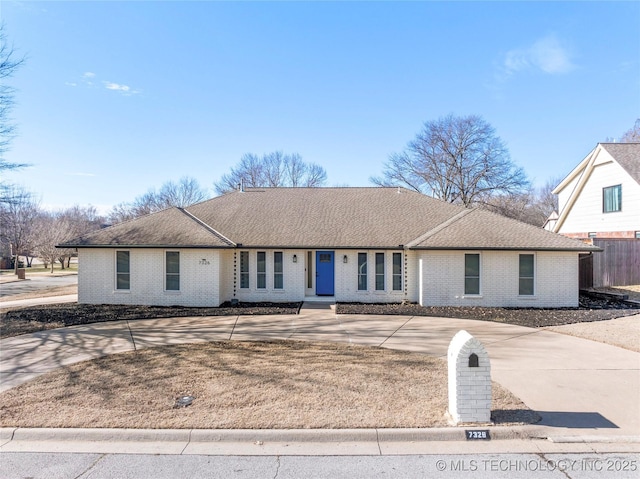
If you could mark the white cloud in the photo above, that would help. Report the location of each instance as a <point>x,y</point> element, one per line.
<point>125,89</point>
<point>70,83</point>
<point>80,174</point>
<point>88,75</point>
<point>546,54</point>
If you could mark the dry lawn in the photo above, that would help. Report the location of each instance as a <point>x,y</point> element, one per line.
<point>281,384</point>
<point>45,293</point>
<point>622,332</point>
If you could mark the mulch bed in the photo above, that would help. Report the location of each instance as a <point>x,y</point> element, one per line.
<point>38,318</point>
<point>590,309</point>
<point>50,316</point>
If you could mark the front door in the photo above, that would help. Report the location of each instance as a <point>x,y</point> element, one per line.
<point>324,273</point>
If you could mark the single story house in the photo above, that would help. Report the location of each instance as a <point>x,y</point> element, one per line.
<point>340,244</point>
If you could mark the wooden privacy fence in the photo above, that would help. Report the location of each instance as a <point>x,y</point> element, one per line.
<point>617,265</point>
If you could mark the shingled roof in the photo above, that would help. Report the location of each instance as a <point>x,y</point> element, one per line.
<point>314,218</point>
<point>627,155</point>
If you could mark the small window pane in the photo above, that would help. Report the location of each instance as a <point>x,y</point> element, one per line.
<point>261,268</point>
<point>123,276</point>
<point>173,282</point>
<point>278,268</point>
<point>172,266</point>
<point>471,274</point>
<point>244,269</point>
<point>173,262</point>
<point>123,261</point>
<point>526,280</point>
<point>379,271</point>
<point>362,271</point>
<point>612,199</point>
<point>397,271</point>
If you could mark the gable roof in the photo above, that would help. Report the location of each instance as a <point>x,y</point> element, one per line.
<point>169,228</point>
<point>627,155</point>
<point>339,218</point>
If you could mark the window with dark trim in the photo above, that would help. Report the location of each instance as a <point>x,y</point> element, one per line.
<point>123,270</point>
<point>278,270</point>
<point>261,270</point>
<point>172,270</point>
<point>526,275</point>
<point>397,271</point>
<point>379,271</point>
<point>244,269</point>
<point>362,271</point>
<point>612,199</point>
<point>472,273</point>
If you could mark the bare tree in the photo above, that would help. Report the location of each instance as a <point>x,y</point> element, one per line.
<point>51,229</point>
<point>16,221</point>
<point>632,135</point>
<point>186,192</point>
<point>8,66</point>
<point>532,206</point>
<point>455,159</point>
<point>272,170</point>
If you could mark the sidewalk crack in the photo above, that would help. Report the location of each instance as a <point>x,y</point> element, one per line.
<point>277,467</point>
<point>234,327</point>
<point>398,329</point>
<point>378,442</point>
<point>188,442</point>
<point>88,469</point>
<point>135,348</point>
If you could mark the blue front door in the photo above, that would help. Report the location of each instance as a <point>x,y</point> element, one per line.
<point>324,273</point>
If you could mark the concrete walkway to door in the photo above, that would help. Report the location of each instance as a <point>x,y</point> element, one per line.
<point>579,387</point>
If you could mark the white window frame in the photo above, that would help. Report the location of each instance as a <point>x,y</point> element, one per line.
<point>117,273</point>
<point>532,278</point>
<point>277,273</point>
<point>479,293</point>
<point>167,274</point>
<point>261,274</point>
<point>245,273</point>
<point>382,275</point>
<point>360,273</point>
<point>395,275</point>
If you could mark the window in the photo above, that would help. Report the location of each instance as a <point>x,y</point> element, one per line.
<point>244,269</point>
<point>123,273</point>
<point>172,271</point>
<point>278,272</point>
<point>526,285</point>
<point>261,270</point>
<point>362,271</point>
<point>612,199</point>
<point>397,271</point>
<point>637,234</point>
<point>472,274</point>
<point>379,271</point>
<point>309,269</point>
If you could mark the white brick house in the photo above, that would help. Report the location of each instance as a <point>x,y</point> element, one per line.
<point>344,244</point>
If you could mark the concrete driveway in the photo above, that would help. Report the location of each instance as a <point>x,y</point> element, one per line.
<point>579,387</point>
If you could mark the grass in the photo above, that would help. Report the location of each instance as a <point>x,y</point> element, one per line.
<point>255,385</point>
<point>39,269</point>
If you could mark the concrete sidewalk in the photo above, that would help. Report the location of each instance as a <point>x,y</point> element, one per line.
<point>581,388</point>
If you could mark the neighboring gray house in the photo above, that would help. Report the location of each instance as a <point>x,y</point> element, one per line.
<point>343,244</point>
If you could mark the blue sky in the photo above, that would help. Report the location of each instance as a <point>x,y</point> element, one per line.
<point>119,97</point>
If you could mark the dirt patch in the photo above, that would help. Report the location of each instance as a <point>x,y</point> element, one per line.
<point>279,384</point>
<point>18,321</point>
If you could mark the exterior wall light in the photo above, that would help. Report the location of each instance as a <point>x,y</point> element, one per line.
<point>345,259</point>
<point>295,258</point>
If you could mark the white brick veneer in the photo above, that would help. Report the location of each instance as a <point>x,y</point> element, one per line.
<point>199,280</point>
<point>469,387</point>
<point>434,278</point>
<point>441,276</point>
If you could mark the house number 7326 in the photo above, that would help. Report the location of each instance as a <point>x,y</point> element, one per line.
<point>204,261</point>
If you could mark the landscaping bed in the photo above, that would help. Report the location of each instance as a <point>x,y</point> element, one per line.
<point>590,309</point>
<point>49,316</point>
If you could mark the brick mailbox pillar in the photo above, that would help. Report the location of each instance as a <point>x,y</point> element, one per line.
<point>469,380</point>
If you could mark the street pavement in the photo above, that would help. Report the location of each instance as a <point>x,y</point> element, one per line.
<point>10,285</point>
<point>587,393</point>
